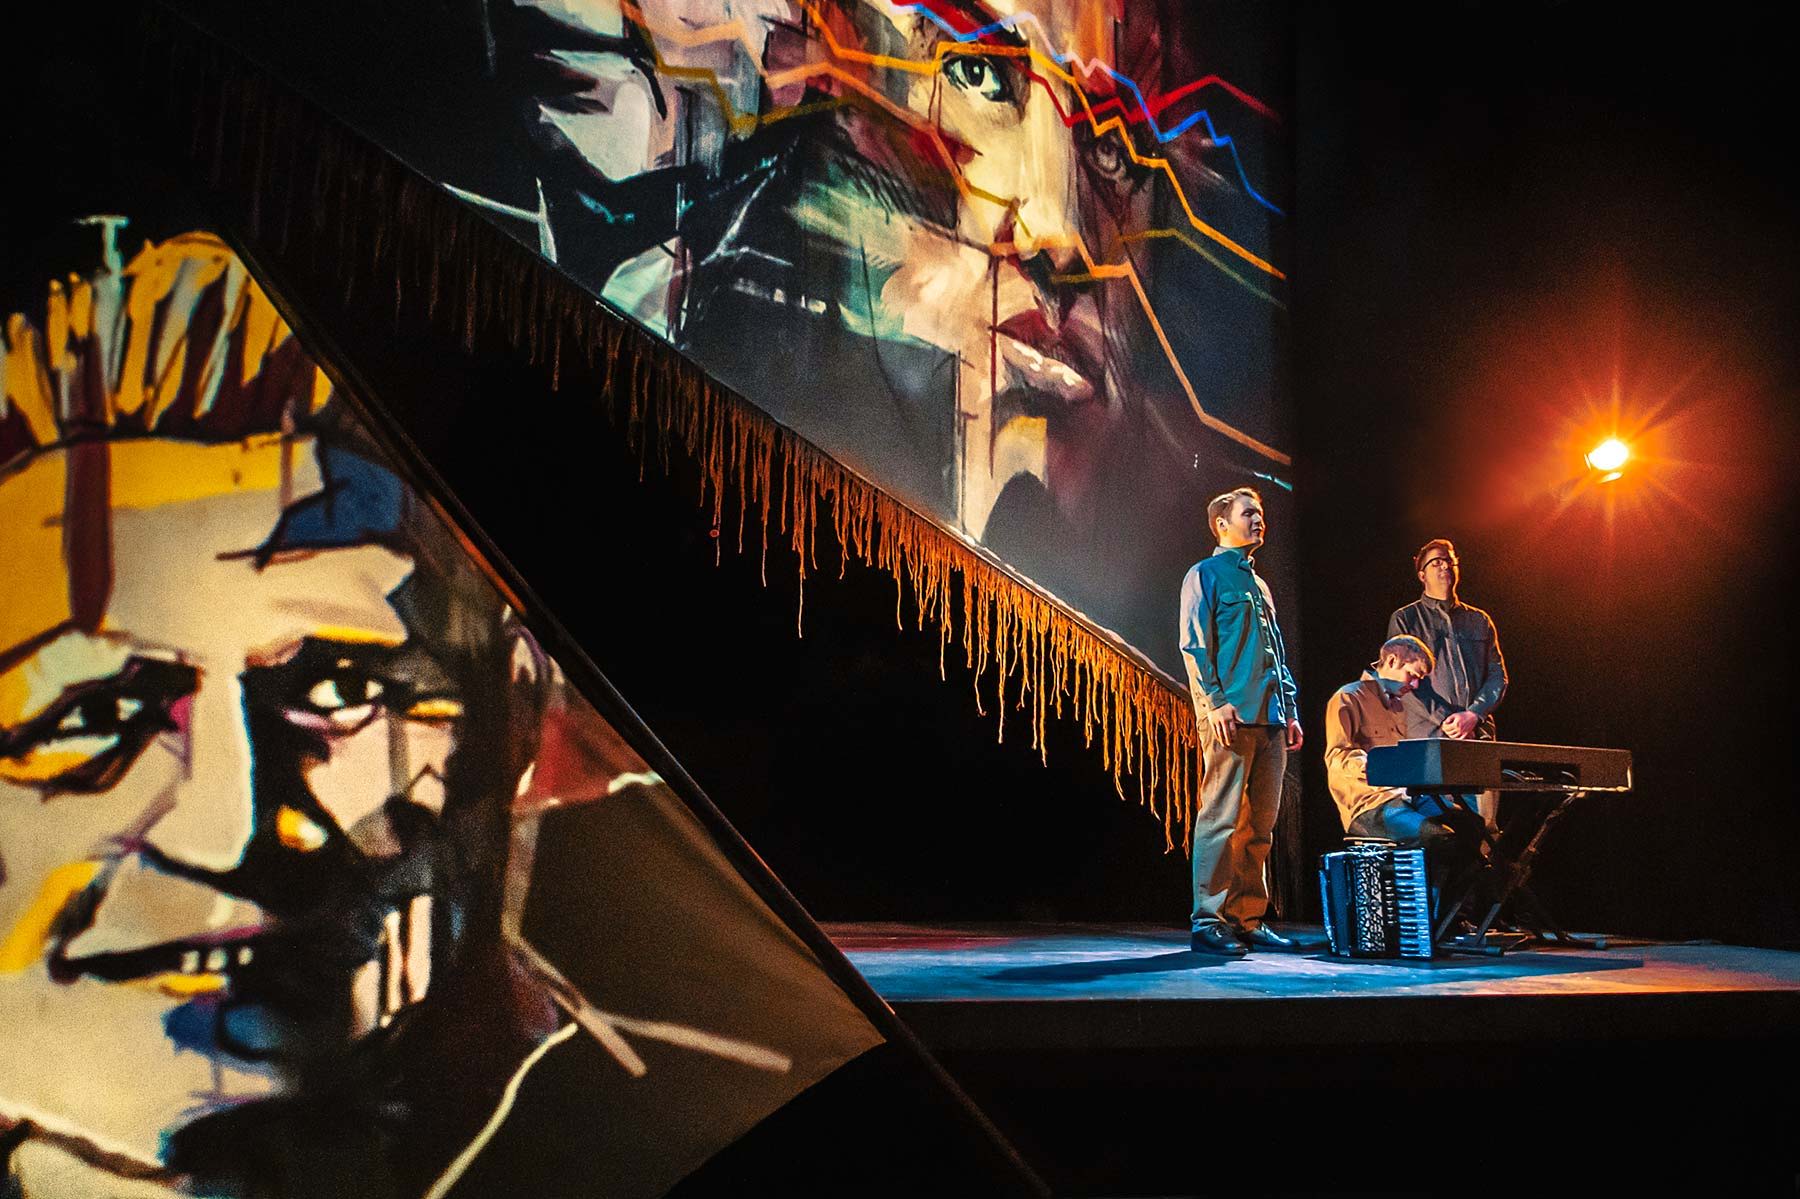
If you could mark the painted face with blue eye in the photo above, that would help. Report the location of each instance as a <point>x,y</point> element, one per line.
<point>218,809</point>
<point>1015,154</point>
<point>977,289</point>
<point>982,77</point>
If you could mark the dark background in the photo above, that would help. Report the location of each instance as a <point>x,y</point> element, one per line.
<point>1513,221</point>
<point>1501,211</point>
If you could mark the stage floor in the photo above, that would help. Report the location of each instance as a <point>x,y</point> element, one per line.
<point>1119,1063</point>
<point>1071,985</point>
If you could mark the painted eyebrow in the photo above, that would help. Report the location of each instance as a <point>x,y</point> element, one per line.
<point>344,637</point>
<point>978,17</point>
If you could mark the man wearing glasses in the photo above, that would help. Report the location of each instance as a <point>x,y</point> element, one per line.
<point>1458,699</point>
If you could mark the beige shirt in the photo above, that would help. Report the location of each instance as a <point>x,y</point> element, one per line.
<point>1359,717</point>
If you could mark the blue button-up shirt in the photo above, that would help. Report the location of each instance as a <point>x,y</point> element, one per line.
<point>1231,642</point>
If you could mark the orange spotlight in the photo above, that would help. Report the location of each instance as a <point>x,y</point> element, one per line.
<point>1609,458</point>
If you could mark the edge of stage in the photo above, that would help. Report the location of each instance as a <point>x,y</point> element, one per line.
<point>1109,1053</point>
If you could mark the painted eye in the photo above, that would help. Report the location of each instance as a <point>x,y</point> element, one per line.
<point>83,743</point>
<point>983,76</point>
<point>344,699</point>
<point>1109,157</point>
<point>101,714</point>
<point>343,691</point>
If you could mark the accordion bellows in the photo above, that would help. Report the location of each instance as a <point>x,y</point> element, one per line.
<point>1377,901</point>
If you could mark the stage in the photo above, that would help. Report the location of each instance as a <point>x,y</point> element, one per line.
<point>1121,1063</point>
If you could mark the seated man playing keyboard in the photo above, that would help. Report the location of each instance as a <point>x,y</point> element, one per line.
<point>1368,713</point>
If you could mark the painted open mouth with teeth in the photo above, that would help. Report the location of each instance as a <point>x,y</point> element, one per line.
<point>367,967</point>
<point>176,958</point>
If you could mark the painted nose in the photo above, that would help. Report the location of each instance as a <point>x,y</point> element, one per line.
<point>211,814</point>
<point>1043,181</point>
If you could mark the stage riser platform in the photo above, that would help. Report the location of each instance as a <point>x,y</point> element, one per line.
<point>1121,1064</point>
<point>1384,1023</point>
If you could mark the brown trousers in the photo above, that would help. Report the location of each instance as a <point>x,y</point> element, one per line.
<point>1240,794</point>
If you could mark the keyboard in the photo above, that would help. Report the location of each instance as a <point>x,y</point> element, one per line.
<point>1442,764</point>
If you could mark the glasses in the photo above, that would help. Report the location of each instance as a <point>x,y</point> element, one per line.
<point>1446,563</point>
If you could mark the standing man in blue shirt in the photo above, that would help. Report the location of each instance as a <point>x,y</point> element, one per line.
<point>1459,697</point>
<point>1249,714</point>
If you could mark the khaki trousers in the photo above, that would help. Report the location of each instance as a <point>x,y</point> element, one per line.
<point>1240,794</point>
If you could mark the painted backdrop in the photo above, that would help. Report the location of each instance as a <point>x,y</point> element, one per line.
<point>315,878</point>
<point>1020,263</point>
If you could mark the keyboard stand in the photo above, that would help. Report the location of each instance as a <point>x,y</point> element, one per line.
<point>1513,875</point>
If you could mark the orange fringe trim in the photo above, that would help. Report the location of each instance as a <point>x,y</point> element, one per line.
<point>290,163</point>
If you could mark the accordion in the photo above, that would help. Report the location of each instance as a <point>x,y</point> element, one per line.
<point>1377,901</point>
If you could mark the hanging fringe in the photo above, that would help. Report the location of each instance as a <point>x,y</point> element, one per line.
<point>292,165</point>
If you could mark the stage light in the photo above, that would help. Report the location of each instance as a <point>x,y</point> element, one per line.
<point>1609,458</point>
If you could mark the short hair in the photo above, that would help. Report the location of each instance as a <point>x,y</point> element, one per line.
<point>1408,649</point>
<point>1443,543</point>
<point>197,353</point>
<point>1221,504</point>
<point>193,349</point>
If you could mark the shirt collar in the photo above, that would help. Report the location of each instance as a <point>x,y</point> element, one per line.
<point>1371,679</point>
<point>1246,555</point>
<point>1449,605</point>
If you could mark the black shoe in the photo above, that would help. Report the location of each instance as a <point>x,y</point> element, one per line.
<point>1264,937</point>
<point>1216,938</point>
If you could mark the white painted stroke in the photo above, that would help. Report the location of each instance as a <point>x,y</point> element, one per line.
<point>455,1170</point>
<point>607,1027</point>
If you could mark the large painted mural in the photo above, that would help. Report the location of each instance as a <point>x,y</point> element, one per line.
<point>1019,263</point>
<point>315,876</point>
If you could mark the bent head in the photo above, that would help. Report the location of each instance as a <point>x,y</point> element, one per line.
<point>1404,663</point>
